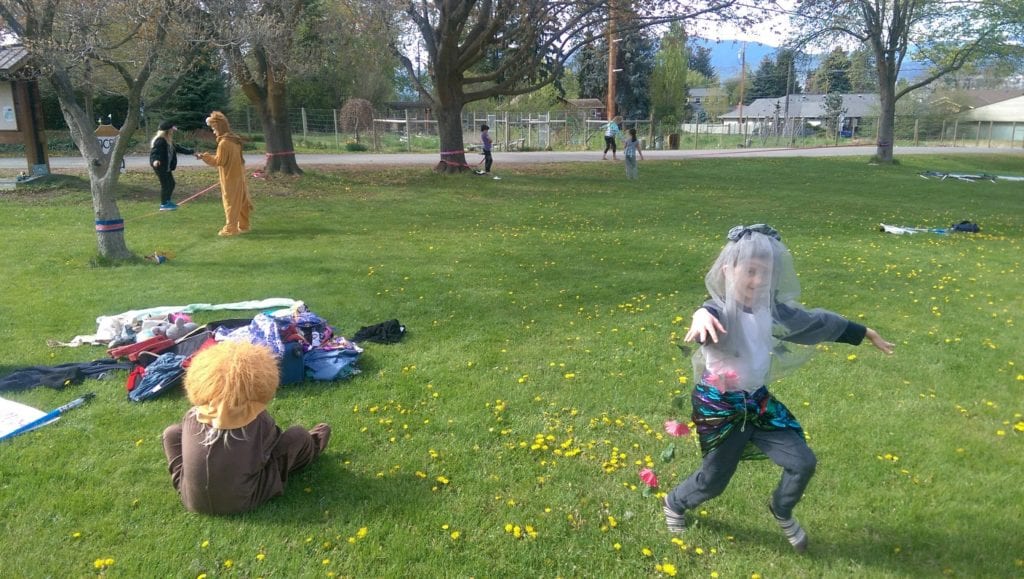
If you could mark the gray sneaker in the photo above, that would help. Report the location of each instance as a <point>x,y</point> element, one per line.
<point>794,532</point>
<point>676,522</point>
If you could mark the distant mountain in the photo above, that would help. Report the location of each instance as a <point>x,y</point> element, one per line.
<point>725,55</point>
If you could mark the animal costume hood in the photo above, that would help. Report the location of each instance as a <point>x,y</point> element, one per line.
<point>231,383</point>
<point>219,123</point>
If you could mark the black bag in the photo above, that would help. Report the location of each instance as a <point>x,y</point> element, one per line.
<point>387,332</point>
<point>966,227</point>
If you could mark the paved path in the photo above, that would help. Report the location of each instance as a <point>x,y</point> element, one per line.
<point>531,157</point>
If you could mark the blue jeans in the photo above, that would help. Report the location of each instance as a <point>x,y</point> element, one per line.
<point>787,448</point>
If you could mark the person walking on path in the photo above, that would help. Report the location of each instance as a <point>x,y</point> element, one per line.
<point>611,130</point>
<point>163,158</point>
<point>751,332</point>
<point>231,169</point>
<point>630,150</point>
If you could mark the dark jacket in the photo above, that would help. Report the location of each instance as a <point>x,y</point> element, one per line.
<point>166,155</point>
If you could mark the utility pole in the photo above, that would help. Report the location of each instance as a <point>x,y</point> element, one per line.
<point>613,48</point>
<point>743,76</point>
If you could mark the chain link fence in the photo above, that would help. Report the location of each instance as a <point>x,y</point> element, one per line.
<point>415,130</point>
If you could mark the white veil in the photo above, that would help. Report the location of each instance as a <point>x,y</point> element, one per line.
<point>756,295</point>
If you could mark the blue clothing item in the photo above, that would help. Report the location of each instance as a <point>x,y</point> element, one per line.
<point>331,364</point>
<point>161,374</point>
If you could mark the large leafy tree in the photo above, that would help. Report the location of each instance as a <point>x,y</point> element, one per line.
<point>259,40</point>
<point>669,86</point>
<point>126,41</point>
<point>479,49</point>
<point>945,34</point>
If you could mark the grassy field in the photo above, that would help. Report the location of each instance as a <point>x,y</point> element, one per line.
<point>543,312</point>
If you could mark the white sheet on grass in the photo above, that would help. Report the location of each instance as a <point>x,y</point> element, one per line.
<point>109,327</point>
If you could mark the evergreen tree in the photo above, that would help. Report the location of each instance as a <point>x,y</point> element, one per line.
<point>832,76</point>
<point>200,92</point>
<point>863,78</point>
<point>698,59</point>
<point>633,87</point>
<point>635,58</point>
<point>766,82</point>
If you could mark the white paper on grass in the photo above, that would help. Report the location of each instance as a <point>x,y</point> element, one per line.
<point>14,415</point>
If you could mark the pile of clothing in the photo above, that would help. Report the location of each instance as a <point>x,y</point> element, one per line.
<point>306,346</point>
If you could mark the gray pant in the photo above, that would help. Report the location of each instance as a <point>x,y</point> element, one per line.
<point>786,448</point>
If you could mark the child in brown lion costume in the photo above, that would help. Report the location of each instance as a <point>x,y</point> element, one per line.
<point>228,455</point>
<point>231,168</point>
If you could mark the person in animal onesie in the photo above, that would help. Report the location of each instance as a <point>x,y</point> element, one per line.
<point>228,456</point>
<point>231,167</point>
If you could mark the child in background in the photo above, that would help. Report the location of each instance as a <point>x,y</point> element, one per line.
<point>228,455</point>
<point>610,131</point>
<point>163,158</point>
<point>747,332</point>
<point>485,138</point>
<point>630,149</point>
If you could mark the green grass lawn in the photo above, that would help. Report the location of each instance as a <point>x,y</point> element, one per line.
<point>539,365</point>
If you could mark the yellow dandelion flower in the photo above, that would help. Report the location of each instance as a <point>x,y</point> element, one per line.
<point>617,546</point>
<point>646,552</point>
<point>699,551</point>
<point>668,569</point>
<point>1000,432</point>
<point>260,556</point>
<point>852,357</point>
<point>1019,427</point>
<point>361,533</point>
<point>455,535</point>
<point>229,564</point>
<point>570,375</point>
<point>714,574</point>
<point>442,479</point>
<point>204,544</point>
<point>201,576</point>
<point>76,535</point>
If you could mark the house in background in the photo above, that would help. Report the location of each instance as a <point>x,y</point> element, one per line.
<point>998,121</point>
<point>585,109</point>
<point>706,103</point>
<point>772,115</point>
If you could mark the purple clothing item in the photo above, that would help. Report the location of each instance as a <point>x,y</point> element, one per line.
<point>485,136</point>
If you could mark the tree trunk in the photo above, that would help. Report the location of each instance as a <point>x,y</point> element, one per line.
<point>109,225</point>
<point>886,122</point>
<point>104,171</point>
<point>449,131</point>
<point>277,132</point>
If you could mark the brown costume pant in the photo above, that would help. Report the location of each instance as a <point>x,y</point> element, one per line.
<point>237,475</point>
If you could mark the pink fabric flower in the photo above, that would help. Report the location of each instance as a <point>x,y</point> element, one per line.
<point>675,428</point>
<point>647,475</point>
